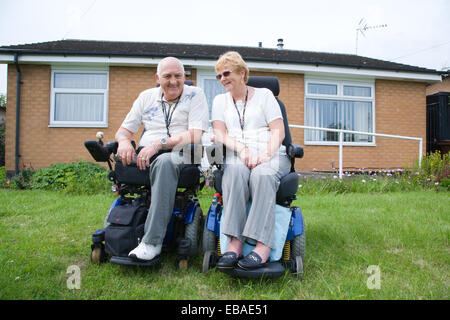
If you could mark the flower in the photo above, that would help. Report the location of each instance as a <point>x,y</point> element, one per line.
<point>436,183</point>
<point>363,181</point>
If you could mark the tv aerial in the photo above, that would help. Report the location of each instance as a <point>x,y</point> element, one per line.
<point>363,27</point>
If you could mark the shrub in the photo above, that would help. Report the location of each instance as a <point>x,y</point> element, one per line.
<point>77,177</point>
<point>24,179</point>
<point>434,174</point>
<point>435,166</point>
<point>2,177</point>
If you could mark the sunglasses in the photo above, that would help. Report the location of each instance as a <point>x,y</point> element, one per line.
<point>223,74</point>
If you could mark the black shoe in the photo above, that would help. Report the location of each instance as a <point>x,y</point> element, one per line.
<point>228,260</point>
<point>251,261</point>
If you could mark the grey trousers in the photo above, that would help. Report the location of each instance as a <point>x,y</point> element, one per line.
<point>164,174</point>
<point>260,185</point>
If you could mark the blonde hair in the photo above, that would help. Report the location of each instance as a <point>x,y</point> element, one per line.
<point>235,61</point>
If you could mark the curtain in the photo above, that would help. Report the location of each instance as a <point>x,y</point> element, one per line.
<point>212,88</point>
<point>79,96</point>
<point>80,80</point>
<point>338,114</point>
<point>78,107</point>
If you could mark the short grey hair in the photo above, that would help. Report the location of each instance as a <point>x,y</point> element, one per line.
<point>158,69</point>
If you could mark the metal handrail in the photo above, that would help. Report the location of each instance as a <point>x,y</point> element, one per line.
<point>341,140</point>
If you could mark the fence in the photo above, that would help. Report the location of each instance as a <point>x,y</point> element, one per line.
<point>341,140</point>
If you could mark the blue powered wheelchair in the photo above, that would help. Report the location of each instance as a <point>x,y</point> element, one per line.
<point>289,224</point>
<point>124,225</point>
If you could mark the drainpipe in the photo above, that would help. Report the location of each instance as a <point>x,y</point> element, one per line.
<point>16,62</point>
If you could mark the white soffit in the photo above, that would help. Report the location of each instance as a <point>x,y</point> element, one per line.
<point>307,69</point>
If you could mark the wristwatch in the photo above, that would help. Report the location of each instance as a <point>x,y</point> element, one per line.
<point>163,143</point>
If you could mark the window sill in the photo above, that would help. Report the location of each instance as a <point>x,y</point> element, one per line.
<point>77,125</point>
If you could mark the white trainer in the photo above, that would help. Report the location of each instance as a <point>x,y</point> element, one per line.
<point>145,251</point>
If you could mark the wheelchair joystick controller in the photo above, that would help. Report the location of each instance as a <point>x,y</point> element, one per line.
<point>99,136</point>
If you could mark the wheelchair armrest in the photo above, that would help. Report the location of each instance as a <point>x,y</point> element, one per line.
<point>112,147</point>
<point>99,152</point>
<point>287,190</point>
<point>294,151</point>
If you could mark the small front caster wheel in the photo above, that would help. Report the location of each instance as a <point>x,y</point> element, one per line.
<point>98,254</point>
<point>298,267</point>
<point>209,260</point>
<point>181,263</point>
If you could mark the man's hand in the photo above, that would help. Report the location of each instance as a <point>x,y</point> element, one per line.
<point>144,156</point>
<point>125,152</point>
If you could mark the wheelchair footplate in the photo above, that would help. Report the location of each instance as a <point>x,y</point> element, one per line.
<point>135,262</point>
<point>271,270</point>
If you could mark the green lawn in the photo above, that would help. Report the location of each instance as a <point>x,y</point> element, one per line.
<point>404,235</point>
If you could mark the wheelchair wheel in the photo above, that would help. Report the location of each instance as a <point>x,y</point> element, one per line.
<point>298,251</point>
<point>209,238</point>
<point>298,245</point>
<point>209,260</point>
<point>181,263</point>
<point>298,267</point>
<point>193,232</point>
<point>98,254</point>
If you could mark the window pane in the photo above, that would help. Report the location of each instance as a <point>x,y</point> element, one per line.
<point>322,88</point>
<point>337,114</point>
<point>78,107</point>
<point>80,80</point>
<point>212,88</point>
<point>357,91</point>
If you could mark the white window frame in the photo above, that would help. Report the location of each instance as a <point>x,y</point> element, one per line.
<point>340,96</point>
<point>54,91</point>
<point>205,74</point>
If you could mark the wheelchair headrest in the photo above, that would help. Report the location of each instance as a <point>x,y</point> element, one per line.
<point>270,83</point>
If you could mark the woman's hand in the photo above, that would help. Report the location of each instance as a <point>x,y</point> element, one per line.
<point>248,158</point>
<point>263,158</point>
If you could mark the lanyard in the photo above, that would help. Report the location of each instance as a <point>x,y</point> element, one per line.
<point>168,114</point>
<point>241,118</point>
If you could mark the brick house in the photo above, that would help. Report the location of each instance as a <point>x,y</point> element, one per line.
<point>70,89</point>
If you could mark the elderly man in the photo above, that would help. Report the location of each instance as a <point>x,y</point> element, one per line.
<point>173,115</point>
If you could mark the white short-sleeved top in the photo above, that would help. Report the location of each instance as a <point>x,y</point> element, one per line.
<point>261,109</point>
<point>191,112</point>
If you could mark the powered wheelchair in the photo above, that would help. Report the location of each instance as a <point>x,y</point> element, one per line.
<point>289,231</point>
<point>125,220</point>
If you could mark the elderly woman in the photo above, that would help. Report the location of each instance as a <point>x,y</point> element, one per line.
<point>249,123</point>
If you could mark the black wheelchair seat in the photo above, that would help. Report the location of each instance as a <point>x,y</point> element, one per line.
<point>132,175</point>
